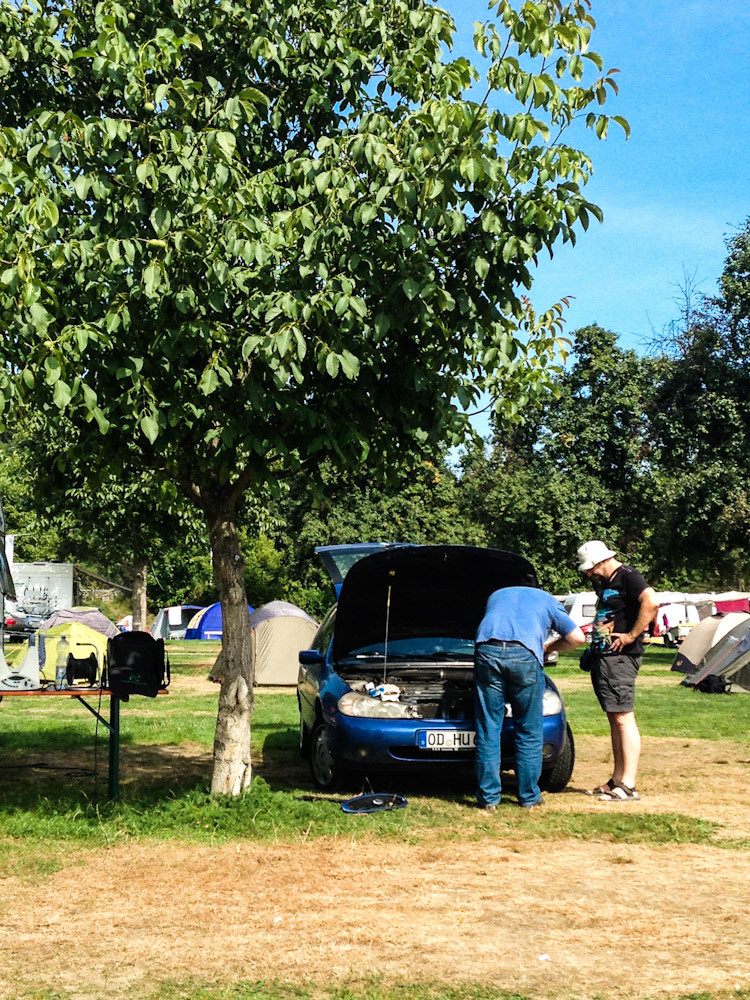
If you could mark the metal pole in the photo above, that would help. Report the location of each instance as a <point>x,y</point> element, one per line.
<point>113,782</point>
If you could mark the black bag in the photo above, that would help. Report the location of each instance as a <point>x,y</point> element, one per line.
<point>713,685</point>
<point>585,661</point>
<point>136,665</point>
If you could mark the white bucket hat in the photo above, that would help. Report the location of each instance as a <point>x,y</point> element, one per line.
<point>591,553</point>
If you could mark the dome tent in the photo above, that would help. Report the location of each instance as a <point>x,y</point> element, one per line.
<point>172,622</point>
<point>279,631</point>
<point>91,617</point>
<point>207,623</point>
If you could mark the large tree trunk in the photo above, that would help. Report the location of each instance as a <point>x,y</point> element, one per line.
<point>232,738</point>
<point>138,597</point>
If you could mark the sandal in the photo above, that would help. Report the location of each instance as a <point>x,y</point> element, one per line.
<point>619,793</point>
<point>604,789</point>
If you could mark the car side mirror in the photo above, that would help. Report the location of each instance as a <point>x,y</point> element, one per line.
<point>309,657</point>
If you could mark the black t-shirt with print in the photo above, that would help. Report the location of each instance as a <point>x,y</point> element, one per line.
<point>618,602</point>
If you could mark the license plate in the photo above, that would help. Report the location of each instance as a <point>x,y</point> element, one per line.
<point>446,739</point>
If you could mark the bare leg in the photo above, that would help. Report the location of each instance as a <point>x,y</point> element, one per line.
<point>626,746</point>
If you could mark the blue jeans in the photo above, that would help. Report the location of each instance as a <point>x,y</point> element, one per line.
<point>508,672</point>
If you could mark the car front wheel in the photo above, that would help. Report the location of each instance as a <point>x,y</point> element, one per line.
<point>556,778</point>
<point>324,768</point>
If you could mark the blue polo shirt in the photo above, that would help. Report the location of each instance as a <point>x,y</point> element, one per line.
<point>525,615</point>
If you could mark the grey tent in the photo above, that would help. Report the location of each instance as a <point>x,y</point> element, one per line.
<point>92,617</point>
<point>704,637</point>
<point>728,659</point>
<point>171,623</point>
<point>279,631</point>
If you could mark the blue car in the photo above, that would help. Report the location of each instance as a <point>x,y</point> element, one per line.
<point>388,682</point>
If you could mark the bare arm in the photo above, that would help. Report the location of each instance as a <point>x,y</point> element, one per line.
<point>570,641</point>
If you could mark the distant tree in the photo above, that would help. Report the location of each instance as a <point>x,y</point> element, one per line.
<point>576,468</point>
<point>701,428</point>
<point>735,285</point>
<point>246,237</point>
<point>421,507</point>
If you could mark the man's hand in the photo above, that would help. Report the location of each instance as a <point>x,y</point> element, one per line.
<point>620,640</point>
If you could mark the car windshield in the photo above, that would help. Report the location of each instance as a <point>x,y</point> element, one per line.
<point>422,647</point>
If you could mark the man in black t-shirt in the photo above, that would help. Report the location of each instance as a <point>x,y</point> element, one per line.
<point>625,607</point>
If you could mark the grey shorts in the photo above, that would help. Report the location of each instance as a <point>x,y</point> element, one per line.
<point>613,678</point>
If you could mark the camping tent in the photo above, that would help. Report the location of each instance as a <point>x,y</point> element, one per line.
<point>279,631</point>
<point>82,643</point>
<point>207,623</point>
<point>732,600</point>
<point>172,622</point>
<point>91,617</point>
<point>726,658</point>
<point>703,637</point>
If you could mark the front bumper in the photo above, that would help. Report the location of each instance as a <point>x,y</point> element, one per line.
<point>394,742</point>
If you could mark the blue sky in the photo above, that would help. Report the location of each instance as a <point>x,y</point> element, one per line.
<point>675,190</point>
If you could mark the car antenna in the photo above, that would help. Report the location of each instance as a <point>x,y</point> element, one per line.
<point>387,626</point>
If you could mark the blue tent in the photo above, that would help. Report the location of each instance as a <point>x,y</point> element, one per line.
<point>207,623</point>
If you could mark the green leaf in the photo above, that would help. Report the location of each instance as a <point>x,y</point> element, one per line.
<point>227,142</point>
<point>81,186</point>
<point>150,427</point>
<point>39,317</point>
<point>332,365</point>
<point>482,267</point>
<point>101,420</point>
<point>151,277</point>
<point>89,397</point>
<point>411,287</point>
<point>52,369</point>
<point>209,382</point>
<point>623,123</point>
<point>61,394</point>
<point>349,364</point>
<point>113,249</point>
<point>161,220</point>
<point>382,324</point>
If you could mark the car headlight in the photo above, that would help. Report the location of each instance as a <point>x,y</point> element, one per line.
<point>551,703</point>
<point>364,706</point>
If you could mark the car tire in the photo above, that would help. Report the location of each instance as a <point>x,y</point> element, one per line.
<point>556,778</point>
<point>325,769</point>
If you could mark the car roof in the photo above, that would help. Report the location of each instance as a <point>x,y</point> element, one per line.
<point>422,590</point>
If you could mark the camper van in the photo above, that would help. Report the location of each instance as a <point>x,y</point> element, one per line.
<point>581,608</point>
<point>675,621</point>
<point>41,588</point>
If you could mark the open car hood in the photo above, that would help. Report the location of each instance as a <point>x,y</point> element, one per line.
<point>423,590</point>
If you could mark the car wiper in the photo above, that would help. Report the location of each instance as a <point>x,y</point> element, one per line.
<point>380,656</point>
<point>444,657</point>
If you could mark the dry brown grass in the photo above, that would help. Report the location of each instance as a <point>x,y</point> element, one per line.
<point>614,920</point>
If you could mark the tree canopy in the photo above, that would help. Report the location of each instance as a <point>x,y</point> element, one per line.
<point>238,239</point>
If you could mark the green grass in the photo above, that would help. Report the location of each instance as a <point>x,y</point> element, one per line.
<point>369,989</point>
<point>667,709</point>
<point>65,802</point>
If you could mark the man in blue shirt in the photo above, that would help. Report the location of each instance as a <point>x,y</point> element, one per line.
<point>509,652</point>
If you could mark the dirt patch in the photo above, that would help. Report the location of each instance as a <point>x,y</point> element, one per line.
<point>546,918</point>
